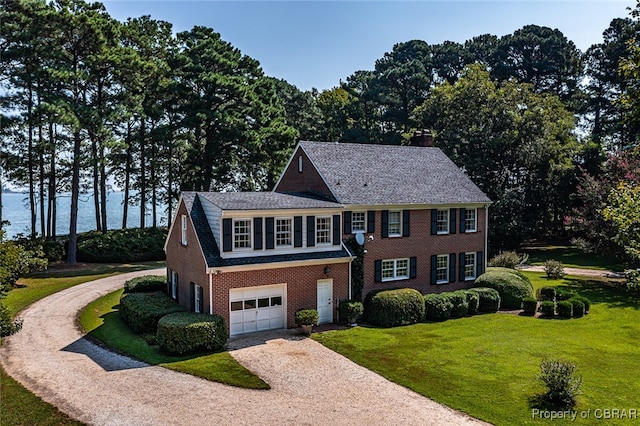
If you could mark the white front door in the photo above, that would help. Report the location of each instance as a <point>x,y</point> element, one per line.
<point>325,303</point>
<point>256,309</point>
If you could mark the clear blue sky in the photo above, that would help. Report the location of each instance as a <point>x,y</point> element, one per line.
<point>316,44</point>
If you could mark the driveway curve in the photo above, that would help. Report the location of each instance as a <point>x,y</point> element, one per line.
<point>310,383</point>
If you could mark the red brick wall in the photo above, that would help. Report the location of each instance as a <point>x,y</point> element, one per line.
<point>422,245</point>
<point>307,180</point>
<point>302,282</point>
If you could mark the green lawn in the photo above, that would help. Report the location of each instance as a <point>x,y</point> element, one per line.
<point>570,257</point>
<point>101,321</point>
<point>486,365</point>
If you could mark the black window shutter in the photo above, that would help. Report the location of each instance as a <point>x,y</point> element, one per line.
<point>452,221</point>
<point>461,267</point>
<point>371,221</point>
<point>434,222</point>
<point>227,235</point>
<point>413,267</point>
<point>463,222</point>
<point>385,223</point>
<point>479,264</point>
<point>269,233</point>
<point>347,222</point>
<point>297,231</point>
<point>434,265</point>
<point>406,218</point>
<point>257,233</point>
<point>192,287</point>
<point>452,268</point>
<point>378,274</point>
<point>201,300</point>
<point>311,231</point>
<point>177,288</point>
<point>336,229</point>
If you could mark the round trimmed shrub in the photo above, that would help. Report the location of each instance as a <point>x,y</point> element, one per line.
<point>473,300</point>
<point>489,299</point>
<point>351,310</point>
<point>460,305</point>
<point>578,307</point>
<point>306,317</point>
<point>548,308</point>
<point>142,311</point>
<point>529,305</point>
<point>390,308</point>
<point>184,332</point>
<point>565,309</point>
<point>146,284</point>
<point>564,293</point>
<point>585,301</point>
<point>547,293</point>
<point>437,307</point>
<point>512,286</point>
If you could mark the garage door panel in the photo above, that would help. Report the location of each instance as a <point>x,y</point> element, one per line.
<point>256,309</point>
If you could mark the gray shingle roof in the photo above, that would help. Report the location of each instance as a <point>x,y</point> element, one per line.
<point>371,174</point>
<point>263,201</point>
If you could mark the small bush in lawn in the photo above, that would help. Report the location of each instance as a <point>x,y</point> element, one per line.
<point>564,293</point>
<point>473,300</point>
<point>585,301</point>
<point>529,305</point>
<point>565,309</point>
<point>563,385</point>
<point>553,269</point>
<point>146,284</point>
<point>507,259</point>
<point>547,293</point>
<point>633,280</point>
<point>186,332</point>
<point>306,317</point>
<point>460,305</point>
<point>390,308</point>
<point>351,310</point>
<point>437,307</point>
<point>512,286</point>
<point>142,311</point>
<point>489,299</point>
<point>548,308</point>
<point>8,325</point>
<point>577,307</point>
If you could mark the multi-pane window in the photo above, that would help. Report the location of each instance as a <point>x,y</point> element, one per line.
<point>242,234</point>
<point>470,220</point>
<point>323,230</point>
<point>443,221</point>
<point>183,227</point>
<point>469,266</point>
<point>442,269</point>
<point>395,224</point>
<point>174,284</point>
<point>358,223</point>
<point>395,269</point>
<point>197,298</point>
<point>283,232</point>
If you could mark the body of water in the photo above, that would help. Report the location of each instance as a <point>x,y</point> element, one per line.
<point>15,209</point>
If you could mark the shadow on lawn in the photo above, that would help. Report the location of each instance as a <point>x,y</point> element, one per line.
<point>62,270</point>
<point>612,293</point>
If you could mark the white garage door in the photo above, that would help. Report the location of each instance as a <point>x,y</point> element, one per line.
<point>256,309</point>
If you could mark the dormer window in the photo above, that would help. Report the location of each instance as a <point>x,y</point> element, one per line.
<point>242,234</point>
<point>283,232</point>
<point>323,230</point>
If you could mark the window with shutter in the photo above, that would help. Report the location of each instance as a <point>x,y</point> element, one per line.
<point>406,218</point>
<point>269,233</point>
<point>371,221</point>
<point>347,222</point>
<point>297,231</point>
<point>452,221</point>
<point>257,233</point>
<point>311,231</point>
<point>452,267</point>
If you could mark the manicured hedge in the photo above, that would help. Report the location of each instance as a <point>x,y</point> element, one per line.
<point>578,307</point>
<point>512,286</point>
<point>460,305</point>
<point>548,308</point>
<point>565,309</point>
<point>186,332</point>
<point>437,307</point>
<point>547,293</point>
<point>390,308</point>
<point>124,245</point>
<point>585,301</point>
<point>146,284</point>
<point>529,305</point>
<point>142,311</point>
<point>489,299</point>
<point>473,300</point>
<point>564,293</point>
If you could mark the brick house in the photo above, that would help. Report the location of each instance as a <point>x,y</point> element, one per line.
<point>256,258</point>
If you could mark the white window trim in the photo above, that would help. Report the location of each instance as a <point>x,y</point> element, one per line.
<point>196,299</point>
<point>291,232</point>
<point>446,280</point>
<point>475,265</point>
<point>183,229</point>
<point>396,277</point>
<point>233,234</point>
<point>475,221</point>
<point>399,233</point>
<point>364,228</point>
<point>448,214</point>
<point>330,231</point>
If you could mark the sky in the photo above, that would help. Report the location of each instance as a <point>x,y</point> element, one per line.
<point>317,44</point>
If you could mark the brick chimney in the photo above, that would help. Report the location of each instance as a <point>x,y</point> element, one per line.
<point>422,138</point>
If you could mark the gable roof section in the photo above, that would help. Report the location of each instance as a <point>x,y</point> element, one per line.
<point>372,174</point>
<point>264,201</point>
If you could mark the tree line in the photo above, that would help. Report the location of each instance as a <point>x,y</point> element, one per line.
<point>87,99</point>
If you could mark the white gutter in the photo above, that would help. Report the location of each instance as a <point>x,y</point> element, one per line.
<point>210,294</point>
<point>486,236</point>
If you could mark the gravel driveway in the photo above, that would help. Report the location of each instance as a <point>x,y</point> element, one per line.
<point>310,383</point>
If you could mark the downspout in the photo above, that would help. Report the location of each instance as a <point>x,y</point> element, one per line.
<point>350,278</point>
<point>210,294</point>
<point>486,236</point>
